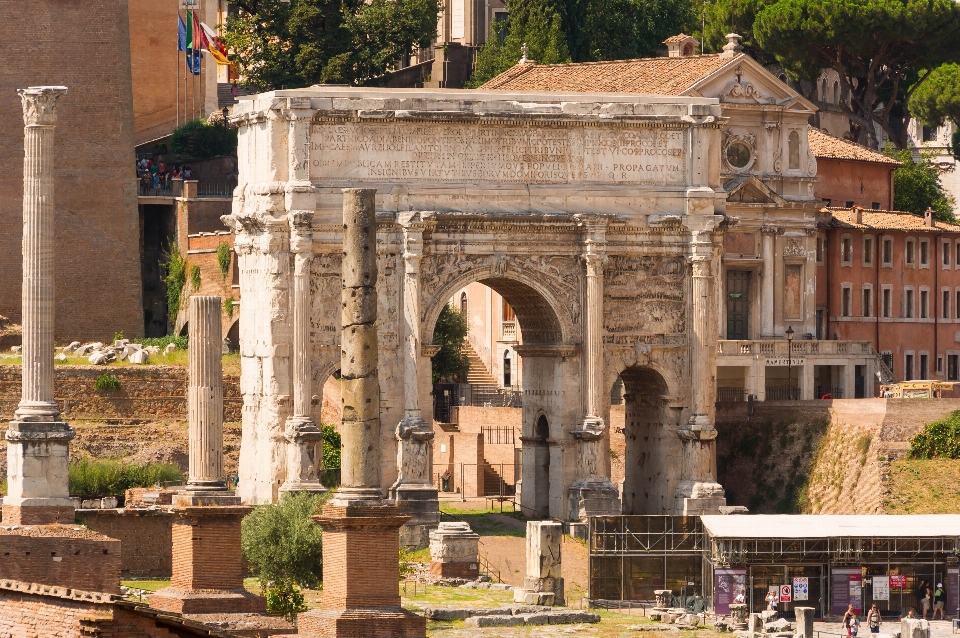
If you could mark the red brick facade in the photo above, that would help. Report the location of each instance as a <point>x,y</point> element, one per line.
<point>84,46</point>
<point>144,535</point>
<point>91,564</point>
<point>37,515</point>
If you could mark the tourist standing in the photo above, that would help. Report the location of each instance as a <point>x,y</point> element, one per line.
<point>927,599</point>
<point>873,619</point>
<point>939,599</point>
<point>772,600</point>
<point>848,619</point>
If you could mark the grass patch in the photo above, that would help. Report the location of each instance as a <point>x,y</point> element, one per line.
<point>484,523</point>
<point>146,585</point>
<point>112,478</point>
<point>922,486</point>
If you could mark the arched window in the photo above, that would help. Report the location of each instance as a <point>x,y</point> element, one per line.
<point>463,302</point>
<point>794,150</point>
<point>688,50</point>
<point>823,90</point>
<point>506,369</point>
<point>836,92</point>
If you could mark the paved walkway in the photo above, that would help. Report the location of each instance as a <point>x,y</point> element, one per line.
<point>938,629</point>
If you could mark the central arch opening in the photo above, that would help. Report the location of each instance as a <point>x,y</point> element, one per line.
<point>505,404</point>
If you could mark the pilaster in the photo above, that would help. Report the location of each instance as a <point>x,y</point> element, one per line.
<point>768,278</point>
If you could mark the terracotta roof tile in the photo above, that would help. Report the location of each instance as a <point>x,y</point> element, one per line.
<point>830,147</point>
<point>884,220</point>
<point>652,76</point>
<point>680,37</point>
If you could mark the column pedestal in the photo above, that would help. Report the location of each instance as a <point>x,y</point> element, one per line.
<point>413,493</point>
<point>361,597</point>
<point>595,494</point>
<point>207,567</point>
<point>37,473</point>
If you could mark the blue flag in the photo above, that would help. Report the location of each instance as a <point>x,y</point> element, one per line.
<point>193,57</point>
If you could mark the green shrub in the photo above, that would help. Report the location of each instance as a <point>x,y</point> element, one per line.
<point>163,342</point>
<point>3,486</point>
<point>200,139</point>
<point>228,306</point>
<point>117,336</point>
<point>407,566</point>
<point>281,543</point>
<point>223,258</point>
<point>195,276</point>
<point>938,440</point>
<point>331,446</point>
<point>106,382</point>
<point>175,277</point>
<point>285,598</point>
<point>113,478</point>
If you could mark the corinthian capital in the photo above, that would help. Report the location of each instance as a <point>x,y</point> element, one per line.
<point>40,104</point>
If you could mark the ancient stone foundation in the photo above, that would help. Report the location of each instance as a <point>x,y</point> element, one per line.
<point>543,584</point>
<point>454,551</point>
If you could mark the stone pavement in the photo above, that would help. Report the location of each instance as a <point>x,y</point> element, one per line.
<point>938,629</point>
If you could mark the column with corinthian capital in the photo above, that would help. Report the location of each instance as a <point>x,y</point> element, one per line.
<point>767,324</point>
<point>304,439</point>
<point>698,491</point>
<point>38,441</point>
<point>593,494</point>
<point>413,491</point>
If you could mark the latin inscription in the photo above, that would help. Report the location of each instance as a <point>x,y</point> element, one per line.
<point>402,151</point>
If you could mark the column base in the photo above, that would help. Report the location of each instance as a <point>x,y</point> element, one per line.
<point>361,623</point>
<point>207,601</point>
<point>421,503</point>
<point>540,591</point>
<point>314,487</point>
<point>39,514</point>
<point>595,498</point>
<point>695,498</point>
<point>204,498</point>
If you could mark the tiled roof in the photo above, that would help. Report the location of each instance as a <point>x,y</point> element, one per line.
<point>680,37</point>
<point>884,220</point>
<point>830,147</point>
<point>653,76</point>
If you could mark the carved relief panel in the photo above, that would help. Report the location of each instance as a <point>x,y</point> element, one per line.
<point>644,295</point>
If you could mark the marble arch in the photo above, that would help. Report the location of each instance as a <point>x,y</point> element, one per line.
<point>598,216</point>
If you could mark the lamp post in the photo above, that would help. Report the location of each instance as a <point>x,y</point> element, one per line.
<point>789,334</point>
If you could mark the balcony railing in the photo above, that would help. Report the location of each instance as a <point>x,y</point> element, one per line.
<point>508,331</point>
<point>782,393</point>
<point>778,347</point>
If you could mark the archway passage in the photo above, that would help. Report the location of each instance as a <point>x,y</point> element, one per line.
<point>541,477</point>
<point>647,433</point>
<point>538,321</point>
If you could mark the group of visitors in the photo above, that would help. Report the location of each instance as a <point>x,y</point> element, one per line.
<point>155,174</point>
<point>929,598</point>
<point>851,622</point>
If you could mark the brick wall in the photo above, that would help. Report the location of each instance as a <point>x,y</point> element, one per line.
<point>144,535</point>
<point>84,46</point>
<point>206,553</point>
<point>91,564</point>
<point>146,393</point>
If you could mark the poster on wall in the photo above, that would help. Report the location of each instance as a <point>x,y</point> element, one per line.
<point>846,589</point>
<point>953,589</point>
<point>881,588</point>
<point>727,585</point>
<point>898,582</point>
<point>801,588</point>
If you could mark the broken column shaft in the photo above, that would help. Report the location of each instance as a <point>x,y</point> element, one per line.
<point>205,395</point>
<point>360,428</point>
<point>37,440</point>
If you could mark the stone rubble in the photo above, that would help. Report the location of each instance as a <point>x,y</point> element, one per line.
<point>170,349</point>
<point>537,618</point>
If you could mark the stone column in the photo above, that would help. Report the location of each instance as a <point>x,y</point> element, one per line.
<point>698,491</point>
<point>304,438</point>
<point>361,539</point>
<point>543,582</point>
<point>205,395</point>
<point>593,494</point>
<point>360,428</point>
<point>413,490</point>
<point>805,616</point>
<point>766,287</point>
<point>38,442</point>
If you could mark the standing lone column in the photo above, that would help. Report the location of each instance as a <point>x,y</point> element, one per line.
<point>360,427</point>
<point>304,438</point>
<point>766,287</point>
<point>205,395</point>
<point>37,440</point>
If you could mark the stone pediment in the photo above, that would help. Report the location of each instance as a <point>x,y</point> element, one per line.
<point>746,82</point>
<point>747,189</point>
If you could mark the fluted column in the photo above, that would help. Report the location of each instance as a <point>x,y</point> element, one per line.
<point>360,425</point>
<point>698,491</point>
<point>769,234</point>
<point>205,395</point>
<point>304,438</point>
<point>38,442</point>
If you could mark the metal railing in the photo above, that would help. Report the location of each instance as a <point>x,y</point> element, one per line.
<point>781,393</point>
<point>834,392</point>
<point>216,188</point>
<point>498,434</point>
<point>731,395</point>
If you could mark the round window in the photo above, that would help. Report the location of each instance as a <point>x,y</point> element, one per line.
<point>738,155</point>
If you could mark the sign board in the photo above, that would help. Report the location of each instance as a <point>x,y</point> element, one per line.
<point>784,361</point>
<point>190,4</point>
<point>953,589</point>
<point>727,585</point>
<point>785,593</point>
<point>898,582</point>
<point>846,589</point>
<point>801,588</point>
<point>881,588</point>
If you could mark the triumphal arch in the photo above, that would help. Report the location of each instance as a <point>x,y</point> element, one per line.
<point>598,217</point>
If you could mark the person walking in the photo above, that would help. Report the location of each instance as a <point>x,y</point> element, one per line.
<point>848,619</point>
<point>927,601</point>
<point>873,619</point>
<point>939,599</point>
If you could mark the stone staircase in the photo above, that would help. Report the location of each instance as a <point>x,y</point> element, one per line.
<point>478,373</point>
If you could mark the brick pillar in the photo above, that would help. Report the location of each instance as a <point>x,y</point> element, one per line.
<point>207,569</point>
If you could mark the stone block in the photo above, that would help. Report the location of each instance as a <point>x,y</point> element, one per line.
<point>805,617</point>
<point>494,621</point>
<point>108,503</point>
<point>60,357</point>
<point>357,343</point>
<point>139,357</point>
<point>543,549</point>
<point>354,398</point>
<point>754,623</point>
<point>914,628</point>
<point>768,615</point>
<point>446,614</point>
<point>356,308</point>
<point>535,619</point>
